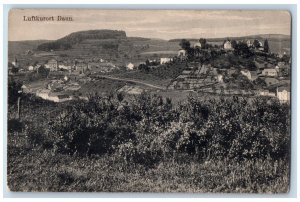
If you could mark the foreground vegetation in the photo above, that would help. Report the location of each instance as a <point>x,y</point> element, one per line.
<point>147,144</point>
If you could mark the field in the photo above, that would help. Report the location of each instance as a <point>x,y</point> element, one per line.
<point>141,76</point>
<point>101,86</point>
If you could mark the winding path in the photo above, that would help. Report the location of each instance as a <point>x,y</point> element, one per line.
<point>133,81</point>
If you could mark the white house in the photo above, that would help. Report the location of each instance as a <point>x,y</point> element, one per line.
<point>247,74</point>
<point>227,45</point>
<point>165,60</point>
<point>66,78</point>
<point>266,93</point>
<point>43,93</point>
<point>25,89</point>
<point>182,53</point>
<point>130,66</point>
<point>63,66</point>
<point>52,65</point>
<point>197,45</point>
<point>220,78</point>
<point>30,68</point>
<point>249,44</point>
<point>283,94</point>
<point>269,72</point>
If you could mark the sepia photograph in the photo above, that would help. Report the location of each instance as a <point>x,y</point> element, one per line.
<point>155,101</point>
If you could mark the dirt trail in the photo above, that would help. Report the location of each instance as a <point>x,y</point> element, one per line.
<point>132,80</point>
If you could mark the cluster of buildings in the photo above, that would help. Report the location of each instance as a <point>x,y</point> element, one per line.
<point>203,76</point>
<point>228,44</point>
<point>57,90</point>
<point>209,78</point>
<point>77,66</point>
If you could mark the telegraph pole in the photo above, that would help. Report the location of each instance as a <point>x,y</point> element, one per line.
<point>18,103</point>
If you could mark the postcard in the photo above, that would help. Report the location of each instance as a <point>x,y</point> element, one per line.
<point>181,101</point>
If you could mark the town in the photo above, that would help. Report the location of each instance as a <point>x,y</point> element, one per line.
<point>245,68</point>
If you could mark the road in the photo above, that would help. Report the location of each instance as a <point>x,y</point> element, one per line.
<point>133,81</point>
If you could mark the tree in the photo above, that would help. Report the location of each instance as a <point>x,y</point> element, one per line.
<point>242,49</point>
<point>266,46</point>
<point>185,44</point>
<point>233,44</point>
<point>43,71</point>
<point>13,91</point>
<point>202,42</point>
<point>256,43</point>
<point>14,70</point>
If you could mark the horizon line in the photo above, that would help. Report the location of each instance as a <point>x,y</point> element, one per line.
<point>288,35</point>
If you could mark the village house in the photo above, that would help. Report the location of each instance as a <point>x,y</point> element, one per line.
<point>271,81</point>
<point>259,65</point>
<point>61,98</point>
<point>220,78</point>
<point>182,54</point>
<point>186,72</point>
<point>47,95</point>
<point>65,67</point>
<point>269,72</point>
<point>81,67</point>
<point>25,89</point>
<point>197,45</point>
<point>130,66</point>
<point>266,93</point>
<point>246,73</point>
<point>254,75</point>
<point>165,60</point>
<point>283,94</point>
<point>31,68</point>
<point>249,44</point>
<point>43,93</point>
<point>227,45</point>
<point>52,65</point>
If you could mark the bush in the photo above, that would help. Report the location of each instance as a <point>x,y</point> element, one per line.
<point>150,129</point>
<point>92,127</point>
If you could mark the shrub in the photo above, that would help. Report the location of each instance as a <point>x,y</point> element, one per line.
<point>150,129</point>
<point>92,127</point>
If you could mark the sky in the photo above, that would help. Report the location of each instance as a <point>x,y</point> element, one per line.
<point>164,24</point>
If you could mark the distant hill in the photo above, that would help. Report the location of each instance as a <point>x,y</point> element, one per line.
<point>72,39</point>
<point>18,47</point>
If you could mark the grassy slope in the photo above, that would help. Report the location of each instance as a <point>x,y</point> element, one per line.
<point>39,170</point>
<point>141,76</point>
<point>35,168</point>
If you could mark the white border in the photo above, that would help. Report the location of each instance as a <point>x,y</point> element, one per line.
<point>138,2</point>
